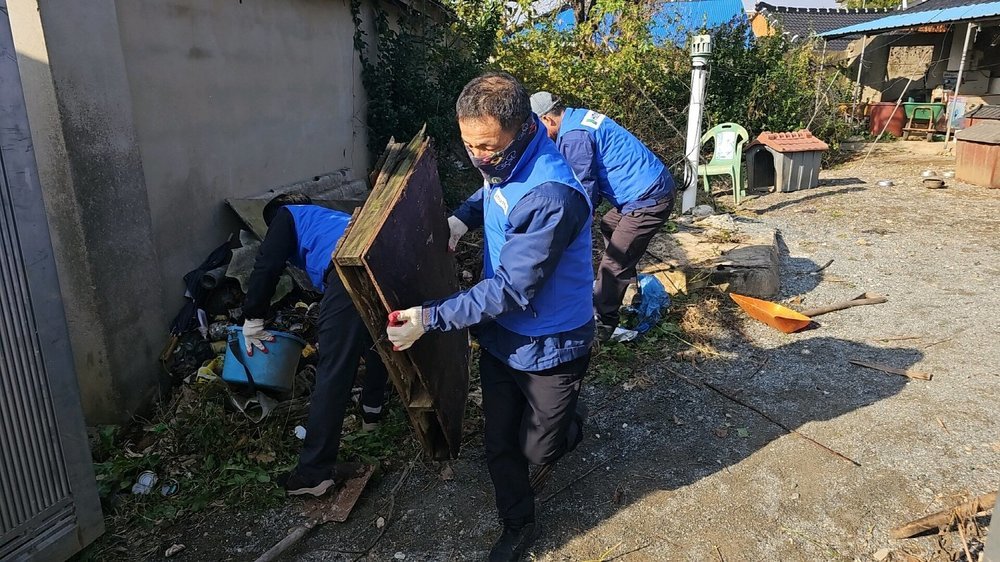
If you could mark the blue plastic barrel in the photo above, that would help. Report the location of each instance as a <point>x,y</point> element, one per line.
<point>274,370</point>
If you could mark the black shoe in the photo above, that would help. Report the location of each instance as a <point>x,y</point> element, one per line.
<point>370,421</point>
<point>297,485</point>
<point>514,542</point>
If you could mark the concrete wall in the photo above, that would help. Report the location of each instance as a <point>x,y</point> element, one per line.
<point>80,113</point>
<point>876,59</point>
<point>145,115</point>
<point>230,99</point>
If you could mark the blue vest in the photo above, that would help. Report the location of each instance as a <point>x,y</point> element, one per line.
<point>318,230</point>
<point>565,300</point>
<point>626,169</point>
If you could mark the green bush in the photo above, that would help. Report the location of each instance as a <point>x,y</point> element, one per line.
<point>609,62</point>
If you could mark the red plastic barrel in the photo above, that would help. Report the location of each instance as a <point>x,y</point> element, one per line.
<point>882,112</point>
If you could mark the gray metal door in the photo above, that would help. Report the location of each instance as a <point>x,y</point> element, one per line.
<point>49,507</point>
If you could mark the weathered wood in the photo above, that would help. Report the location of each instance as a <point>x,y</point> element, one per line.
<point>861,300</point>
<point>892,370</point>
<point>335,506</point>
<point>945,517</point>
<point>394,255</point>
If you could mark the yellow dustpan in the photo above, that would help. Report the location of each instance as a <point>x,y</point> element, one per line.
<point>774,315</point>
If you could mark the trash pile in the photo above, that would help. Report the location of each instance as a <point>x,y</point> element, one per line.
<point>204,335</point>
<point>215,440</point>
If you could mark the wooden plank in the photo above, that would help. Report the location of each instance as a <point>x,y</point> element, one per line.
<point>400,236</point>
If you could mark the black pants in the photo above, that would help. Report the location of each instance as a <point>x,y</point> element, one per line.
<point>530,418</point>
<point>626,238</point>
<point>343,340</point>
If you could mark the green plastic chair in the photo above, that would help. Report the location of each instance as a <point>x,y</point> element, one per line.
<point>727,156</point>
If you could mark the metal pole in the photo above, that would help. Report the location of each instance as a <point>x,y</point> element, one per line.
<point>857,85</point>
<point>701,48</point>
<point>958,80</point>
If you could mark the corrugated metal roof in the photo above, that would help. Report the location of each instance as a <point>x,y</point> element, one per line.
<point>988,133</point>
<point>984,112</point>
<point>803,23</point>
<point>930,5</point>
<point>676,20</point>
<point>938,12</point>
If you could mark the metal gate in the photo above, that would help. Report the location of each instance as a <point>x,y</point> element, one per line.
<point>49,508</point>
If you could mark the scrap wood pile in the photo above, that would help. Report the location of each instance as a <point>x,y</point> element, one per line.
<point>958,532</point>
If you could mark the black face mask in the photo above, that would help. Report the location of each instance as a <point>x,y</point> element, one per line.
<point>497,167</point>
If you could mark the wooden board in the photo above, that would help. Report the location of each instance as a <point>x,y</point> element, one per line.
<point>394,255</point>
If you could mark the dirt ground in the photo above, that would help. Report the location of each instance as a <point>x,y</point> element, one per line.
<point>674,471</point>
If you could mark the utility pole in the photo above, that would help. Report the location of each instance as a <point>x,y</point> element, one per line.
<point>701,50</point>
<point>969,36</point>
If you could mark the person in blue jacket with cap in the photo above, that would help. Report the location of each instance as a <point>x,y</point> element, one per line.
<point>306,235</point>
<point>532,311</point>
<point>612,164</point>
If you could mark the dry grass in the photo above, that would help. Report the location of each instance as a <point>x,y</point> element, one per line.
<point>701,322</point>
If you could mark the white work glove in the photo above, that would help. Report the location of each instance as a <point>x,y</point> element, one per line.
<point>457,230</point>
<point>405,327</point>
<point>255,335</point>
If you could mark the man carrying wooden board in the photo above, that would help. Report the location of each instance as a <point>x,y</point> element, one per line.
<point>532,312</point>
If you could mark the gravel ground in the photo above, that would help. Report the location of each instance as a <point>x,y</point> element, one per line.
<point>676,471</point>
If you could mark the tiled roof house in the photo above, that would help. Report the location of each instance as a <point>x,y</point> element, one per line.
<point>804,22</point>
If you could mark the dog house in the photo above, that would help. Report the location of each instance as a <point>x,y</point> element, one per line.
<point>977,154</point>
<point>785,161</point>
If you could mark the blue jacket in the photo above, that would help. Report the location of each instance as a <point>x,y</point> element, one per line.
<point>538,273</point>
<point>611,162</point>
<point>317,230</point>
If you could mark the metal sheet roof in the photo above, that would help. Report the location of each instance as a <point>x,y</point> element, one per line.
<point>985,112</point>
<point>929,12</point>
<point>676,20</point>
<point>987,133</point>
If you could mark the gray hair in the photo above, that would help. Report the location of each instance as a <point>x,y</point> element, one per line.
<point>496,95</point>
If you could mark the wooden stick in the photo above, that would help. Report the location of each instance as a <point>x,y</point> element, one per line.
<point>965,542</point>
<point>860,301</point>
<point>291,538</point>
<point>703,384</point>
<point>821,268</point>
<point>898,338</point>
<point>571,482</point>
<point>892,370</point>
<point>943,518</point>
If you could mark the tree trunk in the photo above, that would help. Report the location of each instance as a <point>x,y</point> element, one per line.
<point>581,10</point>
